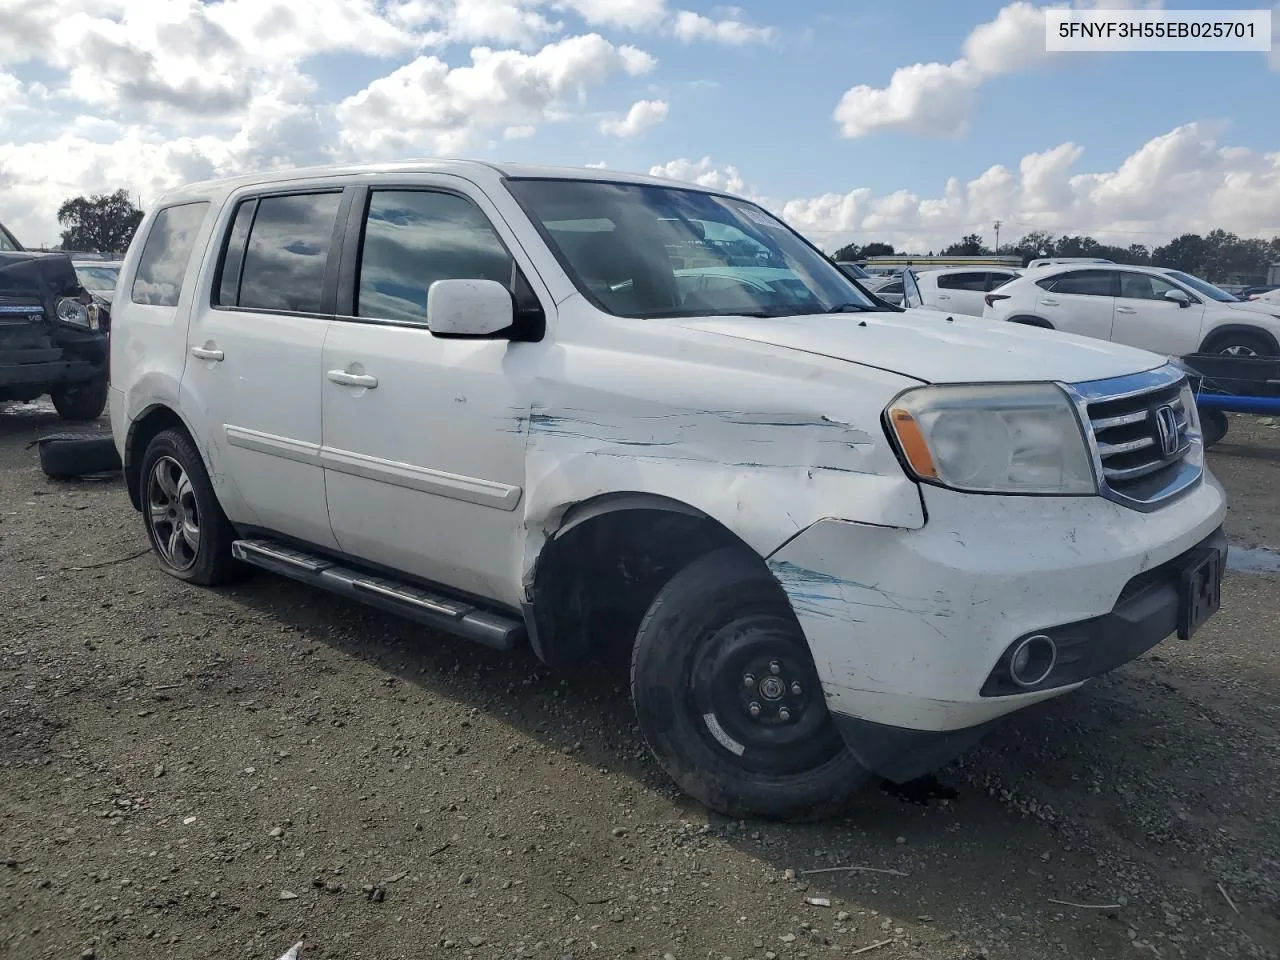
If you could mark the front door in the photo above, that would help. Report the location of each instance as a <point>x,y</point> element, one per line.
<point>252,379</point>
<point>1146,318</point>
<point>424,437</point>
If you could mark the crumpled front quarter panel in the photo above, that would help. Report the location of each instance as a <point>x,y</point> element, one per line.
<point>764,446</point>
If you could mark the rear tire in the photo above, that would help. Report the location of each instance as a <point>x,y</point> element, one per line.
<point>729,701</point>
<point>189,534</point>
<point>80,401</point>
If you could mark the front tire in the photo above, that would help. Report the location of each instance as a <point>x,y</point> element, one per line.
<point>1243,345</point>
<point>80,401</point>
<point>189,534</point>
<point>729,701</point>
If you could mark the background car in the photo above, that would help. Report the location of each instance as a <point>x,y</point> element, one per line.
<point>955,290</point>
<point>99,277</point>
<point>888,288</point>
<point>1166,311</point>
<point>1267,291</point>
<point>8,241</point>
<point>852,270</point>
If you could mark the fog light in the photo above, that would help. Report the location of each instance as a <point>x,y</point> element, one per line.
<point>1032,660</point>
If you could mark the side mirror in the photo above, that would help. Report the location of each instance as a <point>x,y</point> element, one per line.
<point>1179,297</point>
<point>469,308</point>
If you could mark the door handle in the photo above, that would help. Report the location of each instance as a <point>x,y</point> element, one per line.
<point>208,352</point>
<point>1125,310</point>
<point>944,296</point>
<point>1049,303</point>
<point>344,379</point>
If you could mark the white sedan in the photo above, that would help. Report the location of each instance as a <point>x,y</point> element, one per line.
<point>1166,311</point>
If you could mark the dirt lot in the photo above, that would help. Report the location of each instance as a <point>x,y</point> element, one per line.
<point>194,773</point>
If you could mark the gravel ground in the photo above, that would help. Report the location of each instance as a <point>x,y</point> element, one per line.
<point>224,773</point>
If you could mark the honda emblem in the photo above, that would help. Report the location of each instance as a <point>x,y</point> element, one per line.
<point>1167,430</point>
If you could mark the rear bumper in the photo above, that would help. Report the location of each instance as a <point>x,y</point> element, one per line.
<point>1146,613</point>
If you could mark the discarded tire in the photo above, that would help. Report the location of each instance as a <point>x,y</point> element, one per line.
<point>67,455</point>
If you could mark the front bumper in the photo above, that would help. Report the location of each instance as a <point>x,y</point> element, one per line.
<point>908,629</point>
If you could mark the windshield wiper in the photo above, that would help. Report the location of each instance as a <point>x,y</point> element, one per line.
<point>850,307</point>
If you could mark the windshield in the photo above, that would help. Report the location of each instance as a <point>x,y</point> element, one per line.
<point>647,251</point>
<point>7,241</point>
<point>1202,287</point>
<point>98,278</point>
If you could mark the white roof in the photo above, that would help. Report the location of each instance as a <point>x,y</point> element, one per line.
<point>478,171</point>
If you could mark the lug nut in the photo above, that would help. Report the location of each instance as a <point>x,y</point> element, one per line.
<point>784,714</point>
<point>754,709</point>
<point>795,688</point>
<point>748,680</point>
<point>775,667</point>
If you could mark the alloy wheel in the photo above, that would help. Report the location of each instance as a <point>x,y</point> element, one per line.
<point>172,514</point>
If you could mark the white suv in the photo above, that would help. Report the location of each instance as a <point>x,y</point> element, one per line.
<point>955,289</point>
<point>1166,311</point>
<point>518,404</point>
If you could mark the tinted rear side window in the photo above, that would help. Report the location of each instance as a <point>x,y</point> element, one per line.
<point>233,259</point>
<point>962,281</point>
<point>288,248</point>
<point>163,264</point>
<point>1087,283</point>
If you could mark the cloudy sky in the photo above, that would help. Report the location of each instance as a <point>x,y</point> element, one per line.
<point>912,121</point>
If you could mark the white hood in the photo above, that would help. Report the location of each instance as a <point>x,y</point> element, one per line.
<point>938,347</point>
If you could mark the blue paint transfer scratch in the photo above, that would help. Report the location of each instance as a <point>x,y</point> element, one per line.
<point>826,595</point>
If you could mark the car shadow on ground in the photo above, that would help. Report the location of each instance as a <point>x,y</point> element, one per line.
<point>1015,823</point>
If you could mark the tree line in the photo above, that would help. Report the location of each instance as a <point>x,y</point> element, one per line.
<point>1218,255</point>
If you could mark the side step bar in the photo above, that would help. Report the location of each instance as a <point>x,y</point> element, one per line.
<point>427,607</point>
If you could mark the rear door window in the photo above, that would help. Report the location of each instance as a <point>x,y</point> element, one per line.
<point>166,253</point>
<point>962,281</point>
<point>1085,283</point>
<point>287,252</point>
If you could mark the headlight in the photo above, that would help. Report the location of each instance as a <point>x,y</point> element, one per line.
<point>1188,397</point>
<point>71,311</point>
<point>1019,439</point>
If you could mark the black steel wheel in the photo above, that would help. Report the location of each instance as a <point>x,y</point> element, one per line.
<point>729,701</point>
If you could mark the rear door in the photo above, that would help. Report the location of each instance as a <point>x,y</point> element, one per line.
<point>253,376</point>
<point>1079,301</point>
<point>1146,319</point>
<point>961,292</point>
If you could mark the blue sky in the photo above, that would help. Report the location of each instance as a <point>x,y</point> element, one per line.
<point>1140,145</point>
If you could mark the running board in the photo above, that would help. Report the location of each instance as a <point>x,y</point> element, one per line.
<point>432,609</point>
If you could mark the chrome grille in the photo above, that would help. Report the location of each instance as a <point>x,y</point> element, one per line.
<point>1145,443</point>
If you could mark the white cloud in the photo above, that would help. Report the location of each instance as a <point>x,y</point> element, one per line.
<point>635,14</point>
<point>1181,181</point>
<point>428,105</point>
<point>642,115</point>
<point>937,99</point>
<point>702,172</point>
<point>689,26</point>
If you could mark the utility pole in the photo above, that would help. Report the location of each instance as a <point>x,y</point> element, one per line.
<point>997,226</point>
